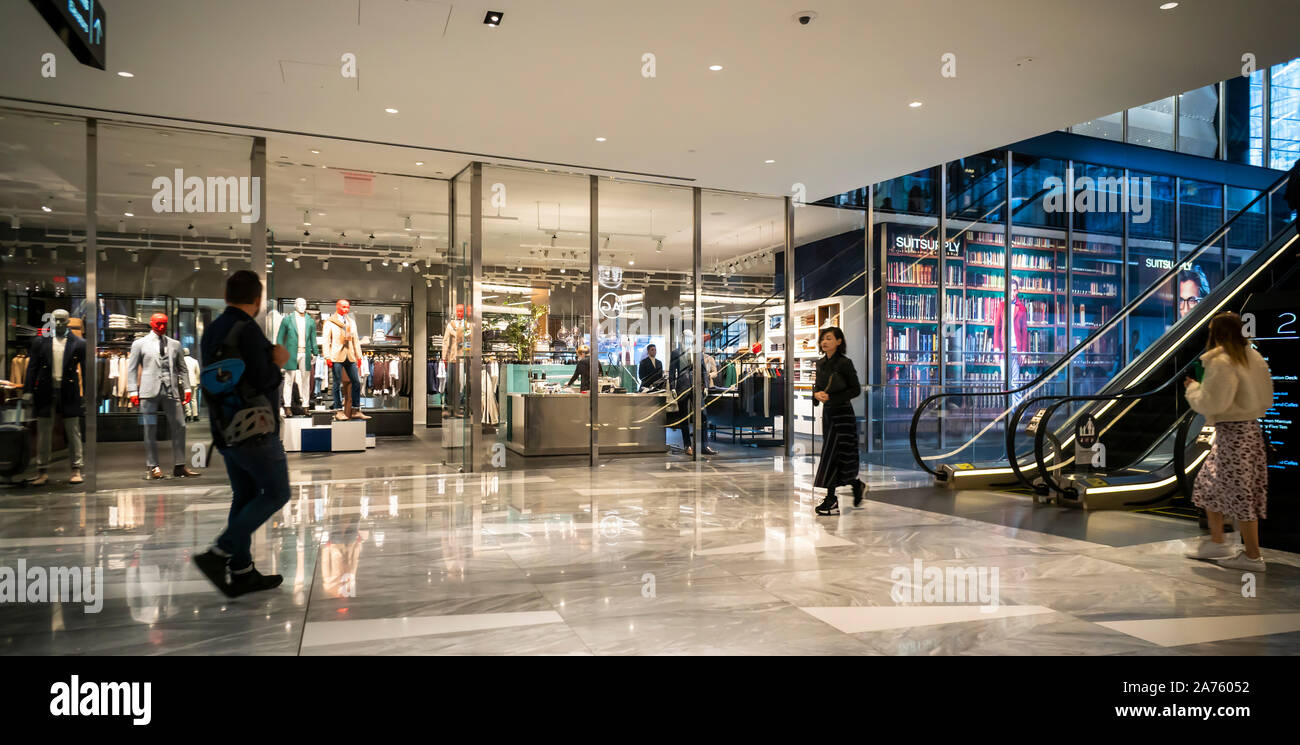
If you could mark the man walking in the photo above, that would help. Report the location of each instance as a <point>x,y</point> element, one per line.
<point>259,475</point>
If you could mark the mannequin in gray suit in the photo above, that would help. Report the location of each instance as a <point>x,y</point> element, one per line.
<point>156,376</point>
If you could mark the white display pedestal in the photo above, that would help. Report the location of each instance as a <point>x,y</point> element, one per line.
<point>291,433</point>
<point>370,441</point>
<point>348,436</point>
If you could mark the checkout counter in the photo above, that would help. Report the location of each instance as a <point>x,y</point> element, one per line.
<point>552,420</point>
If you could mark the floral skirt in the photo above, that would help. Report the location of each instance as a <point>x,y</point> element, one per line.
<point>1234,479</point>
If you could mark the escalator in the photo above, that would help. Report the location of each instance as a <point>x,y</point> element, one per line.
<point>1004,451</point>
<point>1137,444</point>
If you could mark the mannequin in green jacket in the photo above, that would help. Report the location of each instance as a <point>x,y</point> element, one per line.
<point>298,335</point>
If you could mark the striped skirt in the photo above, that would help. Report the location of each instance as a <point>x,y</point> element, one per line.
<point>839,461</point>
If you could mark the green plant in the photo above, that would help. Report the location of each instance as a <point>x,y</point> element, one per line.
<point>521,331</point>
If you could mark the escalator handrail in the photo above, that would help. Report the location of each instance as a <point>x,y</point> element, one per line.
<point>1180,455</point>
<point>1097,333</point>
<point>1013,425</point>
<point>1040,435</point>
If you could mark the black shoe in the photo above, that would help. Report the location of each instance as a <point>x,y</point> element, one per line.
<point>859,490</point>
<point>829,506</point>
<point>253,581</point>
<point>213,567</point>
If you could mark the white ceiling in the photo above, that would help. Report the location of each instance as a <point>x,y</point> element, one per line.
<point>827,101</point>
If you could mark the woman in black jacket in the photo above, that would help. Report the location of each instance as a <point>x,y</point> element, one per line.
<point>835,388</point>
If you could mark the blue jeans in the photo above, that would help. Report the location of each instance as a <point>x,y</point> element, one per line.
<point>351,369</point>
<point>259,478</point>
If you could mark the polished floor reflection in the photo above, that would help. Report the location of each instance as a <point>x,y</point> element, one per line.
<point>635,557</point>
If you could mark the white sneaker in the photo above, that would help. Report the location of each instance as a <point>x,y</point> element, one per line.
<point>1244,563</point>
<point>1208,549</point>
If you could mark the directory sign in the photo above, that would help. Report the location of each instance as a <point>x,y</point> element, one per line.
<point>82,25</point>
<point>1276,323</point>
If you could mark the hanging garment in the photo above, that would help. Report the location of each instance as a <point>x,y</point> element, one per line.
<point>489,387</point>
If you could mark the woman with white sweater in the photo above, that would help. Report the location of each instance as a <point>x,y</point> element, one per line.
<point>1236,390</point>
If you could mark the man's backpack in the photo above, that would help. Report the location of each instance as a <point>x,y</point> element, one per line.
<point>239,412</point>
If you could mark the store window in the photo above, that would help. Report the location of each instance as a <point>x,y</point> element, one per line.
<point>1248,232</point>
<point>1200,214</point>
<point>1150,255</point>
<point>740,302</point>
<point>42,275</point>
<point>646,315</point>
<point>1284,115</point>
<point>1096,263</point>
<point>1198,121</point>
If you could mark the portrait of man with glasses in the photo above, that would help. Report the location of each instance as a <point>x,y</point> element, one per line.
<point>1192,288</point>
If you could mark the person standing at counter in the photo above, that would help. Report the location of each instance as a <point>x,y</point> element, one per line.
<point>583,372</point>
<point>836,386</point>
<point>681,371</point>
<point>651,371</point>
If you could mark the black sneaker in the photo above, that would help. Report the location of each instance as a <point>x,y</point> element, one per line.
<point>253,581</point>
<point>859,490</point>
<point>829,506</point>
<point>213,567</point>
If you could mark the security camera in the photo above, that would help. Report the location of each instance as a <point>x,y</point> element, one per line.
<point>805,17</point>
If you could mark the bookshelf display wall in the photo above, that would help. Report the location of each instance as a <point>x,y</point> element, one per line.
<point>809,318</point>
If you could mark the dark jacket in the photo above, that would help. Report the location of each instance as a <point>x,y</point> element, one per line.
<point>254,349</point>
<point>40,377</point>
<point>582,373</point>
<point>651,373</point>
<point>837,376</point>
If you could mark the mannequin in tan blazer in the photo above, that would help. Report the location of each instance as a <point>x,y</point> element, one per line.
<point>342,351</point>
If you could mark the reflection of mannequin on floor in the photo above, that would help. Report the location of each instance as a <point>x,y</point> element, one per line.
<point>340,557</point>
<point>192,368</point>
<point>453,348</point>
<point>54,384</point>
<point>158,381</point>
<point>298,335</point>
<point>342,353</point>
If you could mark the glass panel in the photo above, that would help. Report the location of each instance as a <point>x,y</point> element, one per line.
<point>1198,121</point>
<point>906,234</point>
<point>1245,119</point>
<point>649,234</point>
<point>537,327</point>
<point>1284,115</point>
<point>42,274</point>
<point>829,262</point>
<point>742,239</point>
<point>459,333</point>
<point>1151,254</point>
<point>1248,233</point>
<point>1109,127</point>
<point>1200,214</point>
<point>1152,124</point>
<point>1095,285</point>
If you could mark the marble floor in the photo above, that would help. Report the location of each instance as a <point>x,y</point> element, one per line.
<point>635,557</point>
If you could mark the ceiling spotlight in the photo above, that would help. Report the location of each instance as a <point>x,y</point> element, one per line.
<point>405,264</point>
<point>135,257</point>
<point>715,68</point>
<point>370,242</point>
<point>606,243</point>
<point>493,18</point>
<point>121,226</point>
<point>660,247</point>
<point>343,234</point>
<point>15,222</point>
<point>103,255</point>
<point>128,212</point>
<point>125,74</point>
<point>306,217</point>
<point>391,110</point>
<point>419,162</point>
<point>306,234</point>
<point>769,161</point>
<point>370,266</point>
<point>385,261</point>
<point>231,232</point>
<point>196,265</point>
<point>315,152</point>
<point>225,266</point>
<point>553,237</point>
<point>631,262</point>
<point>193,231</point>
<point>408,224</point>
<point>1166,6</point>
<point>325,265</point>
<point>46,207</point>
<point>915,104</point>
<point>600,139</point>
<point>519,268</point>
<point>428,282</point>
<point>561,270</point>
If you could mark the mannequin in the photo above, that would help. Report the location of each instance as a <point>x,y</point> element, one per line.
<point>342,351</point>
<point>298,335</point>
<point>193,370</point>
<point>157,379</point>
<point>453,341</point>
<point>54,382</point>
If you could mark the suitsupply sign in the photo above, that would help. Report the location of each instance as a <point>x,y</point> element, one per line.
<point>82,25</point>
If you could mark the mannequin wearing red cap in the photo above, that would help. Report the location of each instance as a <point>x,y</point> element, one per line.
<point>342,351</point>
<point>158,381</point>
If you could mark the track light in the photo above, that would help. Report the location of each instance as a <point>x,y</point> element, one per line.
<point>231,232</point>
<point>405,264</point>
<point>370,266</point>
<point>196,265</point>
<point>306,217</point>
<point>659,248</point>
<point>306,234</point>
<point>553,237</point>
<point>325,265</point>
<point>561,270</point>
<point>428,283</point>
<point>135,257</point>
<point>370,242</point>
<point>103,255</point>
<point>46,207</point>
<point>385,261</point>
<point>121,226</point>
<point>54,255</point>
<point>129,209</point>
<point>16,222</point>
<point>408,224</point>
<point>193,231</point>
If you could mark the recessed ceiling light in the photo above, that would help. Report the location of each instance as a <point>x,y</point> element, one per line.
<point>1166,6</point>
<point>600,139</point>
<point>391,111</point>
<point>769,161</point>
<point>915,104</point>
<point>493,18</point>
<point>419,162</point>
<point>128,214</point>
<point>125,74</point>
<point>315,152</point>
<point>715,68</point>
<point>45,208</point>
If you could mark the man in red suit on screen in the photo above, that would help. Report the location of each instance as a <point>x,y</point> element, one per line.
<point>1019,331</point>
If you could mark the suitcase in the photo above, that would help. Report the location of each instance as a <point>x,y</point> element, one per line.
<point>15,453</point>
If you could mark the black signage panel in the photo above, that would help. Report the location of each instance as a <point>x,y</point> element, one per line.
<point>82,25</point>
<point>1277,336</point>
